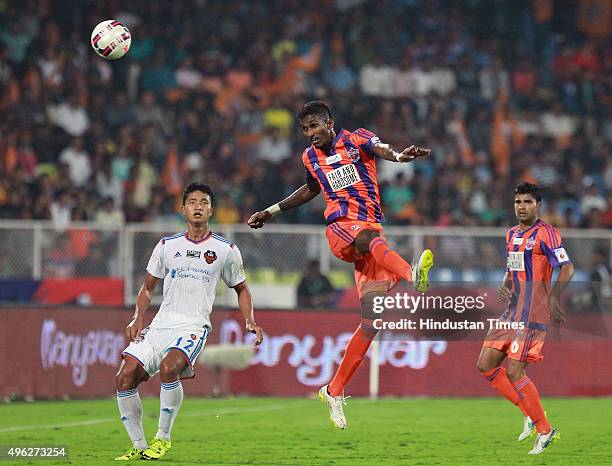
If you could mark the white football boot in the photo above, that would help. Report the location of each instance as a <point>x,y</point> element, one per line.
<point>528,429</point>
<point>334,403</point>
<point>544,440</point>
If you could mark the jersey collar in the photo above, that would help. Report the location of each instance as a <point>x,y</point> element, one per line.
<point>332,147</point>
<point>535,224</point>
<point>198,242</point>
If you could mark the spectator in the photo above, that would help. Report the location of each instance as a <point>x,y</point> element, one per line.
<point>273,148</point>
<point>70,115</point>
<point>314,289</point>
<point>61,211</point>
<point>592,200</point>
<point>110,215</point>
<point>557,124</point>
<point>375,78</point>
<point>78,162</point>
<point>338,76</point>
<point>493,80</point>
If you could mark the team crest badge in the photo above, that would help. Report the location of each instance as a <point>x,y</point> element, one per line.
<point>530,244</point>
<point>210,256</point>
<point>353,153</point>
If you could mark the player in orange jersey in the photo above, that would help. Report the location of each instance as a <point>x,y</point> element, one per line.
<point>533,248</point>
<point>342,165</point>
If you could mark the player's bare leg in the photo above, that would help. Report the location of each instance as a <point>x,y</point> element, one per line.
<point>490,358</point>
<point>130,375</point>
<point>354,354</point>
<point>170,400</point>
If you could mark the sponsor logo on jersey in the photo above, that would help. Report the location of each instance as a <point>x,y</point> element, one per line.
<point>517,241</point>
<point>178,254</point>
<point>343,177</point>
<point>316,166</point>
<point>516,261</point>
<point>210,256</point>
<point>194,254</point>
<point>333,159</point>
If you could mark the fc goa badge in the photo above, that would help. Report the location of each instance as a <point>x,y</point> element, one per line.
<point>210,256</point>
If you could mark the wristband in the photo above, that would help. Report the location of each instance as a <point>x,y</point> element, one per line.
<point>274,209</point>
<point>398,156</point>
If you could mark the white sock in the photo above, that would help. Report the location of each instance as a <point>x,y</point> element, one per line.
<point>130,409</point>
<point>170,399</point>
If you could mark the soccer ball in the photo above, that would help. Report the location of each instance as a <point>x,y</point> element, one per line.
<point>111,40</point>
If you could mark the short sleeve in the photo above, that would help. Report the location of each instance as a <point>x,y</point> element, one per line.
<point>156,265</point>
<point>366,140</point>
<point>233,269</point>
<point>552,247</point>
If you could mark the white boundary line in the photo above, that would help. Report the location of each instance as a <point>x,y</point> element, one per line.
<point>212,412</point>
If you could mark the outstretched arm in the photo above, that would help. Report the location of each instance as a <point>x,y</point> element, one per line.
<point>300,196</point>
<point>385,151</point>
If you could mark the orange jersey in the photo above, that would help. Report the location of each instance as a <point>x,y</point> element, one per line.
<point>531,256</point>
<point>347,176</point>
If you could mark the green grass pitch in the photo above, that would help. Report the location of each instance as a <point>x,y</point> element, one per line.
<point>297,431</point>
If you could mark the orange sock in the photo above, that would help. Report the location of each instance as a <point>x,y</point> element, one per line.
<point>529,400</point>
<point>390,259</point>
<point>498,378</point>
<point>353,357</point>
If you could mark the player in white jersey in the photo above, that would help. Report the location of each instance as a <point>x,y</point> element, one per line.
<point>191,264</point>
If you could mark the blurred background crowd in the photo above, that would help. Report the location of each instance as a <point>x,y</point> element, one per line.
<point>494,87</point>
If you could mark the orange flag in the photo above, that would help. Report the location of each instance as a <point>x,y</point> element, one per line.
<point>10,158</point>
<point>500,146</point>
<point>465,148</point>
<point>171,174</point>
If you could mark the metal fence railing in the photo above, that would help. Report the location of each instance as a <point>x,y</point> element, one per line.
<point>275,255</point>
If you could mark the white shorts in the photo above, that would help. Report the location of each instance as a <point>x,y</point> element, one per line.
<point>154,343</point>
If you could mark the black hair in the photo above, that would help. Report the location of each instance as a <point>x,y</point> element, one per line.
<point>529,188</point>
<point>197,186</point>
<point>317,108</point>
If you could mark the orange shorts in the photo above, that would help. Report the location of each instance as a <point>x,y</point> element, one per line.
<point>522,345</point>
<point>369,275</point>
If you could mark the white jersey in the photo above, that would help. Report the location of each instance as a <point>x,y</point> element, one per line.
<point>191,272</point>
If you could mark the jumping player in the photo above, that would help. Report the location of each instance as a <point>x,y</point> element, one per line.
<point>191,264</point>
<point>533,248</point>
<point>342,165</point>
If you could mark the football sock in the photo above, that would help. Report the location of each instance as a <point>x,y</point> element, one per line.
<point>390,259</point>
<point>529,400</point>
<point>498,378</point>
<point>353,357</point>
<point>130,408</point>
<point>170,399</point>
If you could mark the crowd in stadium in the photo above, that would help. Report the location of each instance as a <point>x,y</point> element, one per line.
<point>498,94</point>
